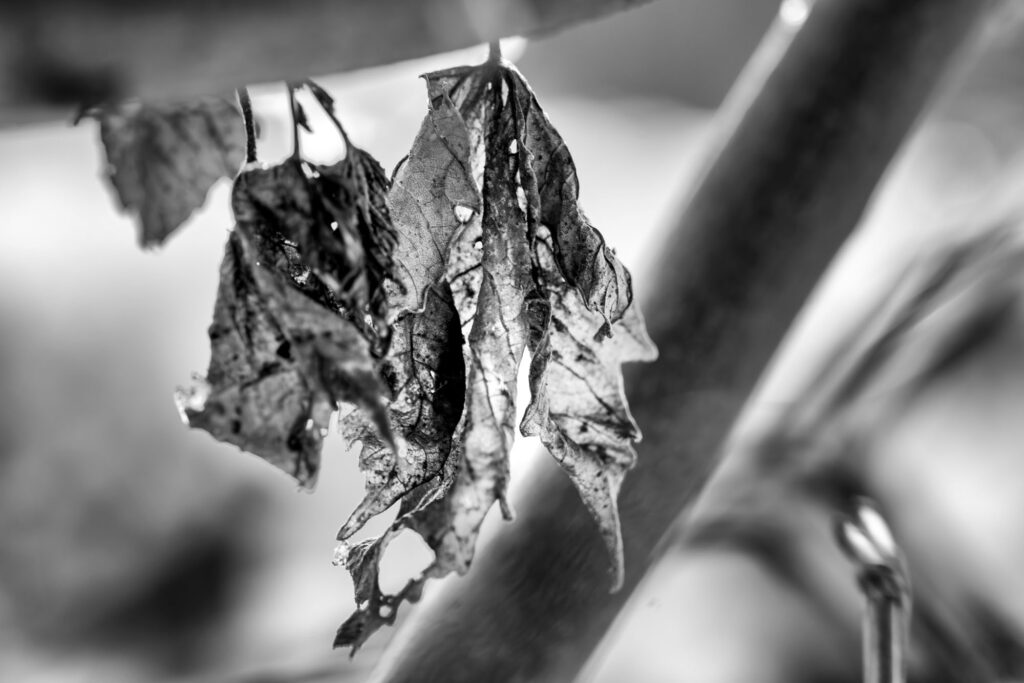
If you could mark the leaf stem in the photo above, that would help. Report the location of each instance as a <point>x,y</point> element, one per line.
<point>293,106</point>
<point>884,632</point>
<point>866,540</point>
<point>326,103</point>
<point>245,103</point>
<point>494,51</point>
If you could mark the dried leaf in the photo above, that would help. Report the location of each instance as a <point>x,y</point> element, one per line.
<point>274,315</point>
<point>583,258</point>
<point>368,218</point>
<point>332,352</point>
<point>584,326</point>
<point>255,394</point>
<point>425,374</point>
<point>162,159</point>
<point>350,245</point>
<point>525,269</point>
<point>427,511</point>
<point>489,273</point>
<point>431,509</point>
<point>331,232</point>
<point>578,406</point>
<point>433,192</point>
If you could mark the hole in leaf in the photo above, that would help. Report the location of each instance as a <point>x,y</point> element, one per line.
<point>405,558</point>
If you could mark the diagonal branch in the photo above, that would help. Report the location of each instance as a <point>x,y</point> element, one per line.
<point>809,130</point>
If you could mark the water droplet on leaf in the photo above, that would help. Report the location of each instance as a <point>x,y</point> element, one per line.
<point>341,552</point>
<point>192,399</point>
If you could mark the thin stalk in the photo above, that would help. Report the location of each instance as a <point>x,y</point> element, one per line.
<point>883,639</point>
<point>326,103</point>
<point>293,106</point>
<point>245,103</point>
<point>866,540</point>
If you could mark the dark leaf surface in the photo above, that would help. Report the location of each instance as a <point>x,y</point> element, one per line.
<point>162,159</point>
<point>362,218</point>
<point>255,394</point>
<point>330,232</point>
<point>273,206</point>
<point>285,352</point>
<point>426,377</point>
<point>350,239</point>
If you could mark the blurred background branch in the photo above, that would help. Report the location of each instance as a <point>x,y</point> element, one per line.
<point>806,134</point>
<point>58,54</point>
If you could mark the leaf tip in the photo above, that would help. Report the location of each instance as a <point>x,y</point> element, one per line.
<point>616,553</point>
<point>618,572</point>
<point>508,513</point>
<point>191,399</point>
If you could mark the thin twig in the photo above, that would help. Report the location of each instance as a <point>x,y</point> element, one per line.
<point>866,540</point>
<point>293,106</point>
<point>250,124</point>
<point>326,103</point>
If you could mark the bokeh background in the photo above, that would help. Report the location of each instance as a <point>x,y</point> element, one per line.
<point>135,550</point>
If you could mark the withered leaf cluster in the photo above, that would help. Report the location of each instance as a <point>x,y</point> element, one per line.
<point>417,299</point>
<point>162,159</point>
<point>300,318</point>
<point>496,259</point>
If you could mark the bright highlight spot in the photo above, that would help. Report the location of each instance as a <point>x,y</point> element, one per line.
<point>794,12</point>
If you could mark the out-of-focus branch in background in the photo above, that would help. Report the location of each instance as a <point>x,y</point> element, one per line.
<point>58,54</point>
<point>807,137</point>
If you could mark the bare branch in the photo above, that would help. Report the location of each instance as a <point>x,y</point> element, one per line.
<point>809,135</point>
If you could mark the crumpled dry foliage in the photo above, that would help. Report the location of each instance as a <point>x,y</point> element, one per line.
<point>162,159</point>
<point>425,375</point>
<point>417,301</point>
<point>491,233</point>
<point>255,394</point>
<point>300,318</point>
